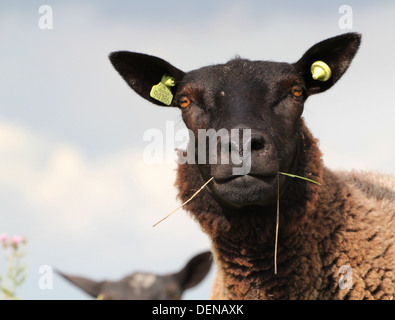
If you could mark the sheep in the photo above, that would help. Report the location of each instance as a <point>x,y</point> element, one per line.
<point>147,286</point>
<point>335,238</point>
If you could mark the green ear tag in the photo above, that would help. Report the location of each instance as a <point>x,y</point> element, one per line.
<point>320,71</point>
<point>162,92</point>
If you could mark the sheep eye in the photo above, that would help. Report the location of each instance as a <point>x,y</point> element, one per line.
<point>184,102</point>
<point>297,91</point>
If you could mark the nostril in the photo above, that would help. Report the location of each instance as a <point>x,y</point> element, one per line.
<point>242,142</point>
<point>257,143</point>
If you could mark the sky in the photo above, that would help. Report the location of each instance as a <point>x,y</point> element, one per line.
<point>73,179</point>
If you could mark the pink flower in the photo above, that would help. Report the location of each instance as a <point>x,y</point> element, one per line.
<point>17,240</point>
<point>3,237</point>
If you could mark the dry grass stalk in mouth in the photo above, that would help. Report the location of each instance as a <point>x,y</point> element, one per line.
<point>278,208</point>
<point>193,196</point>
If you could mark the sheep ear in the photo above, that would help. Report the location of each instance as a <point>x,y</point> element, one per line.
<point>141,72</point>
<point>194,271</point>
<point>336,52</point>
<point>91,287</point>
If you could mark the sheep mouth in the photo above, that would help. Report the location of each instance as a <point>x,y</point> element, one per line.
<point>251,189</point>
<point>245,179</point>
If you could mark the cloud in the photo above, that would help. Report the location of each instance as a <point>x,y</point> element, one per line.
<point>61,184</point>
<point>57,177</point>
<point>69,203</point>
<point>54,176</point>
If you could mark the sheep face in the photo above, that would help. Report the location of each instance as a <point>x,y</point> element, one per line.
<point>138,286</point>
<point>252,107</point>
<point>147,286</point>
<point>141,286</point>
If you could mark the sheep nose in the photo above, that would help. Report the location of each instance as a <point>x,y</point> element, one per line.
<point>244,140</point>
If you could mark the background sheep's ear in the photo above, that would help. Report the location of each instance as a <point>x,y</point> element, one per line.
<point>142,72</point>
<point>91,287</point>
<point>194,271</point>
<point>336,52</point>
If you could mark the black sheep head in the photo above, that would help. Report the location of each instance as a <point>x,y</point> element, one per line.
<point>147,286</point>
<point>253,107</point>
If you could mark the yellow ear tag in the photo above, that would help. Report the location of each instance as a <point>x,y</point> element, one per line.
<point>162,92</point>
<point>320,71</point>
